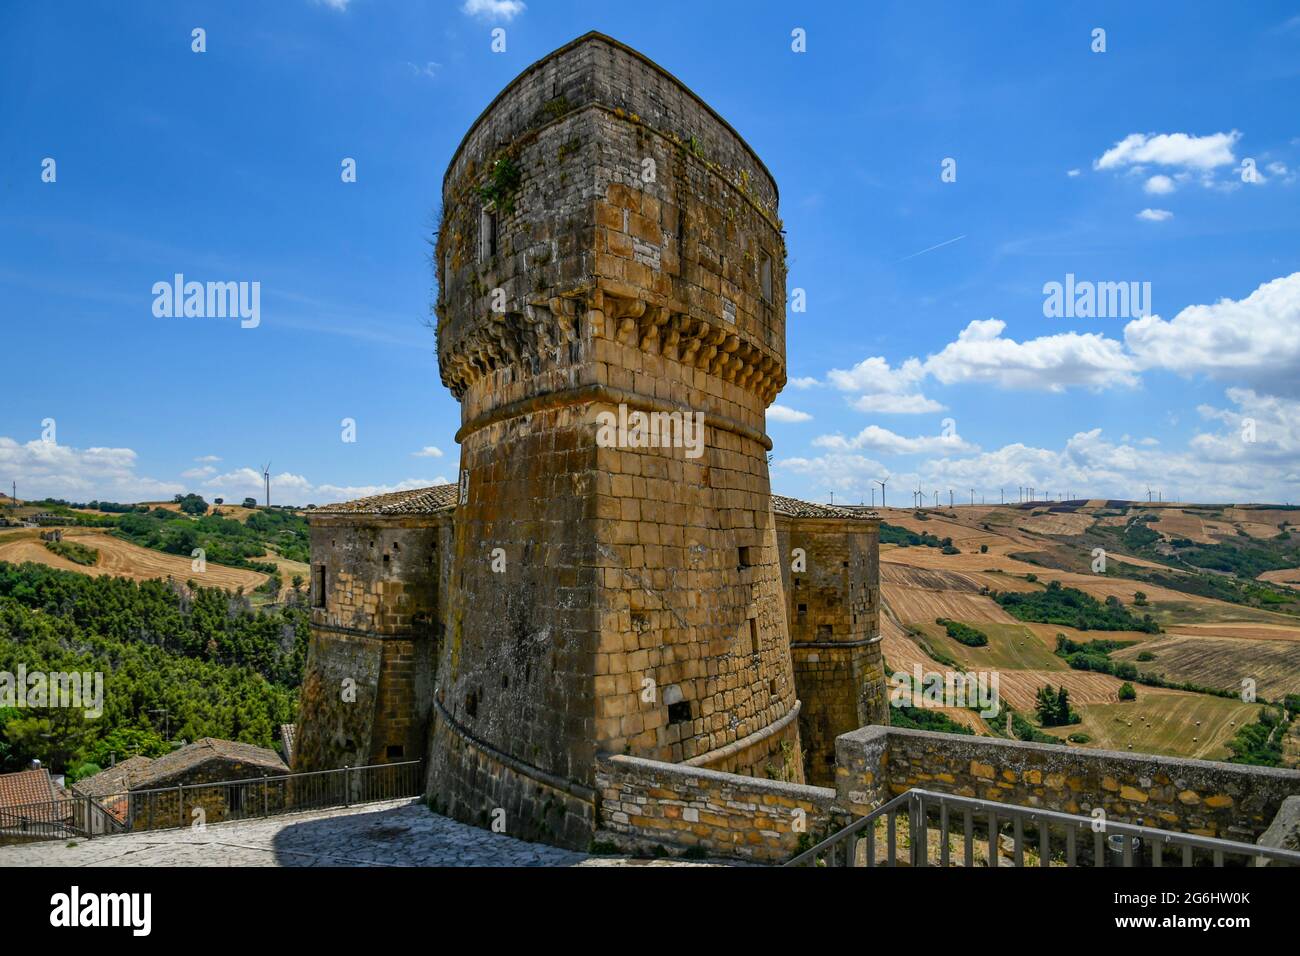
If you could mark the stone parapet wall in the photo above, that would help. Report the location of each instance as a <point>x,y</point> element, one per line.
<point>646,804</point>
<point>1230,801</point>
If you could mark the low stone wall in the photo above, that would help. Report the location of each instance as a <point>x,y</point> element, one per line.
<point>1232,801</point>
<point>648,804</point>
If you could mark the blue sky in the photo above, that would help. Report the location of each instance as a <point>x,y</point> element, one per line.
<point>925,297</point>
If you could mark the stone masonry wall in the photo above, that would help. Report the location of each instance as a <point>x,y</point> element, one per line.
<point>640,610</point>
<point>832,592</point>
<point>646,805</point>
<point>1192,796</point>
<point>368,687</point>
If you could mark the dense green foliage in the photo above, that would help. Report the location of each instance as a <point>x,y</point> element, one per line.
<point>1127,692</point>
<point>1053,707</point>
<point>74,552</point>
<point>919,718</point>
<point>203,656</point>
<point>963,633</point>
<point>1260,743</point>
<point>1073,608</point>
<point>893,534</point>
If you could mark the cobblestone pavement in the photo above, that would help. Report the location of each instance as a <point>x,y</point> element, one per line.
<point>397,833</point>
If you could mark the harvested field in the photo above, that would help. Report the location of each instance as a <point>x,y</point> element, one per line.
<point>1223,662</point>
<point>1289,576</point>
<point>1163,724</point>
<point>917,605</point>
<point>1020,688</point>
<point>1180,524</point>
<point>123,559</point>
<point>1254,632</point>
<point>1010,647</point>
<point>1057,523</point>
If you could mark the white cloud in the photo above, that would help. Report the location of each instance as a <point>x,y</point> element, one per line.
<point>288,488</point>
<point>1277,169</point>
<point>1155,215</point>
<point>196,473</point>
<point>46,469</point>
<point>430,69</point>
<point>505,10</point>
<point>339,5</point>
<point>1254,341</point>
<point>1072,173</point>
<point>806,381</point>
<point>1050,362</point>
<point>208,458</point>
<point>782,413</point>
<point>875,438</point>
<point>1159,185</point>
<point>886,390</point>
<point>428,451</point>
<point>1171,149</point>
<point>886,404</point>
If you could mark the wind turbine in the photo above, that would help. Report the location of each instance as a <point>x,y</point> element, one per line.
<point>882,490</point>
<point>266,477</point>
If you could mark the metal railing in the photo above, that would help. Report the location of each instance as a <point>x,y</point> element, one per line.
<point>988,833</point>
<point>162,808</point>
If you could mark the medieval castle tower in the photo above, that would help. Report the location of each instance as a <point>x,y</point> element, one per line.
<point>609,252</point>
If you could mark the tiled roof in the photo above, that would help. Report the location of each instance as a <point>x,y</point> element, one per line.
<point>116,779</point>
<point>26,786</point>
<point>413,502</point>
<point>794,508</point>
<point>200,752</point>
<point>443,498</point>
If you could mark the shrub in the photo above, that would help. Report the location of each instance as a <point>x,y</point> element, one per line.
<point>963,633</point>
<point>1126,692</point>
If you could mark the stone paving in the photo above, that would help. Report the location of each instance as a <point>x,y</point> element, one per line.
<point>396,833</point>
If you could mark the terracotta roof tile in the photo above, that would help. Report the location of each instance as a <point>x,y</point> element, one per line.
<point>429,500</point>
<point>794,508</point>
<point>118,778</point>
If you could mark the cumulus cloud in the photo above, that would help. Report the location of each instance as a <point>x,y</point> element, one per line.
<point>1159,185</point>
<point>505,10</point>
<point>806,381</point>
<point>1155,215</point>
<point>782,413</point>
<point>207,458</point>
<point>428,451</point>
<point>1252,342</point>
<point>1051,362</point>
<point>875,438</point>
<point>1171,149</point>
<point>885,389</point>
<point>48,469</point>
<point>198,473</point>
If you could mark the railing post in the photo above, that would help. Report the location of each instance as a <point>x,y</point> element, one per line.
<point>180,805</point>
<point>347,786</point>
<point>266,803</point>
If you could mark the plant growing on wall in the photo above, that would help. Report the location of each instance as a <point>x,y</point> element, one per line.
<point>502,183</point>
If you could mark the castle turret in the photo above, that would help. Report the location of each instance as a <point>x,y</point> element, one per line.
<point>611,317</point>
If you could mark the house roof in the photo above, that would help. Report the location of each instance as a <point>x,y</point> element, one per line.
<point>200,752</point>
<point>26,786</point>
<point>41,800</point>
<point>429,500</point>
<point>794,508</point>
<point>116,779</point>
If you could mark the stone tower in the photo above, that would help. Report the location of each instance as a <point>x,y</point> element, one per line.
<point>609,251</point>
